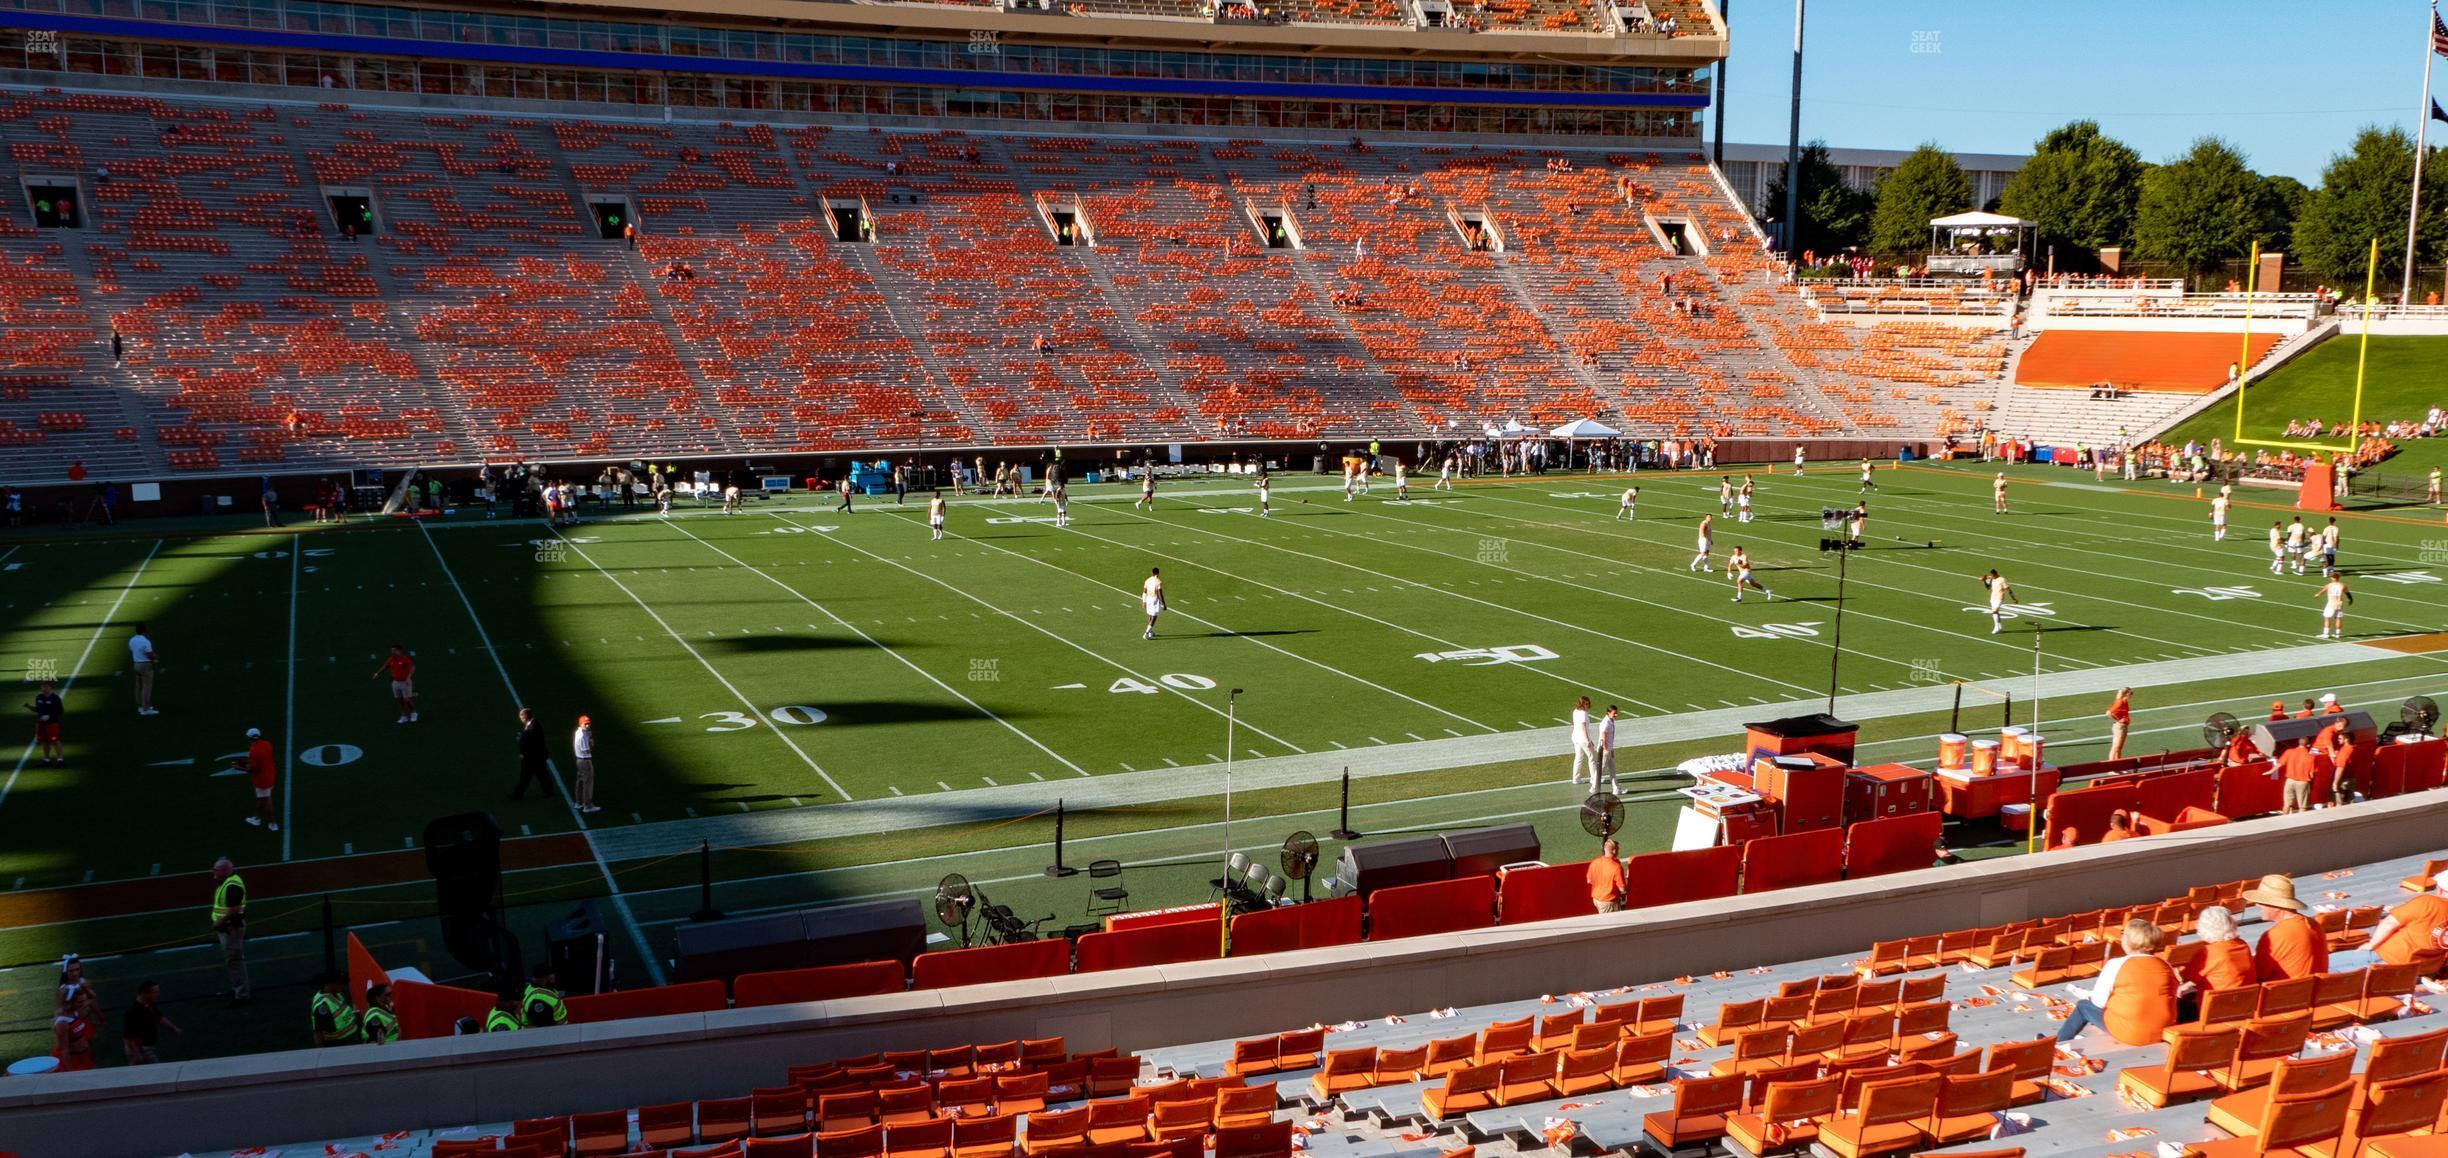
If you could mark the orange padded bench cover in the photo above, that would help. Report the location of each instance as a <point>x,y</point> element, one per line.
<point>1797,858</point>
<point>1151,945</point>
<point>1312,926</point>
<point>686,997</point>
<point>1544,893</point>
<point>1434,907</point>
<point>991,963</point>
<point>1671,878</point>
<point>822,983</point>
<point>1892,844</point>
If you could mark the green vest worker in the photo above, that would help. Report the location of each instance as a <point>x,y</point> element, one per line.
<point>382,1025</point>
<point>504,1015</point>
<point>334,1018</point>
<point>541,1006</point>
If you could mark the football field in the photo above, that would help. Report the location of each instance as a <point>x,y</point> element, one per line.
<point>833,706</point>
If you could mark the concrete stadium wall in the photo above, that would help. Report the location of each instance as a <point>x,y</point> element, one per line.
<point>323,1094</point>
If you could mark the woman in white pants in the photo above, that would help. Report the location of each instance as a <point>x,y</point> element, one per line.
<point>1584,750</point>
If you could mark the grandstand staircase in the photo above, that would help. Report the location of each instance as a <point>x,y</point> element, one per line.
<point>451,404</point>
<point>1136,341</point>
<point>632,266</point>
<point>1535,305</point>
<point>1807,395</point>
<point>117,392</point>
<point>896,306</point>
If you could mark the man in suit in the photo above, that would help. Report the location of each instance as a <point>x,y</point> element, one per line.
<point>531,756</point>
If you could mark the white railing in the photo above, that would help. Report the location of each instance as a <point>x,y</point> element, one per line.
<point>1903,296</point>
<point>2129,305</point>
<point>2110,285</point>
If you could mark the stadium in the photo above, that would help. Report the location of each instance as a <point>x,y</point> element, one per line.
<point>987,578</point>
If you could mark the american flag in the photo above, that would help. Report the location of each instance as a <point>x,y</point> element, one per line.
<point>2439,33</point>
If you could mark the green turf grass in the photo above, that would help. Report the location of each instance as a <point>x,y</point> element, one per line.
<point>2403,379</point>
<point>695,643</point>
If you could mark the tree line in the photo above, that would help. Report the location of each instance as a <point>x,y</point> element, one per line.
<point>2088,191</point>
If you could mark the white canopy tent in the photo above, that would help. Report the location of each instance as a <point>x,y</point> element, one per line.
<point>1582,430</point>
<point>1966,243</point>
<point>1585,428</point>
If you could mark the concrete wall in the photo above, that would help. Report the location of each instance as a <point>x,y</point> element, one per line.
<point>321,1094</point>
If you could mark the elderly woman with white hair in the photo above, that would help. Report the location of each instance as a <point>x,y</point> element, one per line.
<point>2134,998</point>
<point>2225,961</point>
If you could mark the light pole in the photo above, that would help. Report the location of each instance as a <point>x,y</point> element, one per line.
<point>1232,703</point>
<point>2031,836</point>
<point>1793,153</point>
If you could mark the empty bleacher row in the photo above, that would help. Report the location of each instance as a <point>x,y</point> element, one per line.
<point>480,313</point>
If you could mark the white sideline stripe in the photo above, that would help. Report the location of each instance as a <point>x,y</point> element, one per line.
<point>297,547</point>
<point>620,902</point>
<point>1041,629</point>
<point>981,709</point>
<point>1240,636</point>
<point>79,669</point>
<point>970,805</point>
<point>1333,606</point>
<point>779,732</point>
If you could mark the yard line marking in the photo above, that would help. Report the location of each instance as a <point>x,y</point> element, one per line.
<point>895,791</point>
<point>1565,624</point>
<point>1320,602</point>
<point>297,547</point>
<point>778,732</point>
<point>620,901</point>
<point>79,669</point>
<point>990,781</point>
<point>1972,637</point>
<point>2157,556</point>
<point>1058,638</point>
<point>1038,776</point>
<point>904,661</point>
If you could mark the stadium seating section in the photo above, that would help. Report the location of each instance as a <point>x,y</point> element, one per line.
<point>1935,1042</point>
<point>481,314</point>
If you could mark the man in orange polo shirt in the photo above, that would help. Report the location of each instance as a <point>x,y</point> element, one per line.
<point>2410,931</point>
<point>2292,946</point>
<point>2301,765</point>
<point>1606,880</point>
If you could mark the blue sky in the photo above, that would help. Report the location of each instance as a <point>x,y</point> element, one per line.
<point>2287,83</point>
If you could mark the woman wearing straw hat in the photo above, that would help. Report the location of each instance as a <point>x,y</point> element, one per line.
<point>2292,946</point>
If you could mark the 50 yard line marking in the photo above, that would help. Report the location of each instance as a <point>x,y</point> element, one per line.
<point>11,783</point>
<point>620,901</point>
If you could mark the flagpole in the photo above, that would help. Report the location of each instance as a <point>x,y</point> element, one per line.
<point>2422,129</point>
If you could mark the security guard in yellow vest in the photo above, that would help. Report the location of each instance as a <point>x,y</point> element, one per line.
<point>504,1015</point>
<point>382,1025</point>
<point>334,1018</point>
<point>541,1006</point>
<point>229,913</point>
